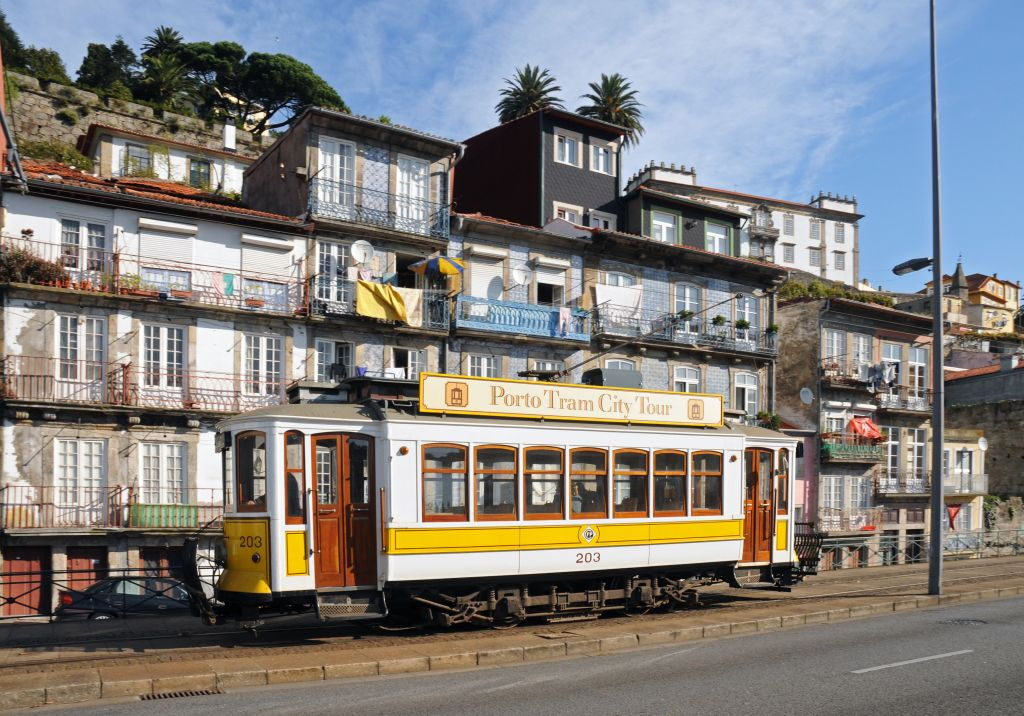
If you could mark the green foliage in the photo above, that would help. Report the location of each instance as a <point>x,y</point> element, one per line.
<point>103,65</point>
<point>718,321</point>
<point>384,119</point>
<point>11,44</point>
<point>769,420</point>
<point>772,328</point>
<point>819,289</point>
<point>67,117</point>
<point>164,41</point>
<point>45,65</point>
<point>613,100</point>
<point>743,324</point>
<point>531,89</point>
<point>21,266</point>
<point>118,90</point>
<point>166,82</point>
<point>47,150</point>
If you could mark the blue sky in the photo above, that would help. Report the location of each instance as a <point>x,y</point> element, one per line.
<point>774,97</point>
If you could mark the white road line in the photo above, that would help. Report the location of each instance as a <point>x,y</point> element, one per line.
<point>913,661</point>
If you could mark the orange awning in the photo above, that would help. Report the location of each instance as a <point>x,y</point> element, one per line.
<point>865,427</point>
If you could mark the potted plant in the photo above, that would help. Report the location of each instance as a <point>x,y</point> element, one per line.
<point>685,315</point>
<point>743,324</point>
<point>772,329</point>
<point>769,420</point>
<point>182,293</point>
<point>131,285</point>
<point>254,302</point>
<point>718,321</point>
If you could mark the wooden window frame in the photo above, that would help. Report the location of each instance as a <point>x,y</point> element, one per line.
<point>423,483</point>
<point>685,474</point>
<point>699,512</point>
<point>607,483</point>
<point>527,515</point>
<point>782,486</point>
<point>632,473</point>
<point>239,506</point>
<point>300,471</point>
<point>514,472</point>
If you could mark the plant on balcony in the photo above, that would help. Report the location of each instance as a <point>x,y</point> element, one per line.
<point>252,302</point>
<point>772,329</point>
<point>769,420</point>
<point>21,266</point>
<point>718,321</point>
<point>132,285</point>
<point>685,315</point>
<point>743,324</point>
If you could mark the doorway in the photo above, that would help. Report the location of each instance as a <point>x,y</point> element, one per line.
<point>344,504</point>
<point>757,506</point>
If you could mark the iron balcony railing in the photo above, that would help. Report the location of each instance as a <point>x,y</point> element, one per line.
<point>902,482</point>
<point>57,380</point>
<point>344,201</point>
<point>848,519</point>
<point>904,398</point>
<point>846,447</point>
<point>622,321</point>
<point>484,314</point>
<point>879,550</point>
<point>26,507</point>
<point>844,373</point>
<point>332,296</point>
<point>962,483</point>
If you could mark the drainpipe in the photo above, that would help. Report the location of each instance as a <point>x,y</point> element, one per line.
<point>540,187</point>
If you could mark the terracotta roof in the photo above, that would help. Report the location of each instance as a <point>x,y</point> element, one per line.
<point>984,370</point>
<point>478,216</point>
<point>155,189</point>
<point>688,200</point>
<point>974,281</point>
<point>87,139</point>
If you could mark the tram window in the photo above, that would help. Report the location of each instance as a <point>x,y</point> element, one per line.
<point>358,471</point>
<point>495,475</point>
<point>707,483</point>
<point>251,472</point>
<point>782,492</point>
<point>588,480</point>
<point>294,479</point>
<point>669,483</point>
<point>629,483</point>
<point>444,482</point>
<point>543,470</point>
<point>327,472</point>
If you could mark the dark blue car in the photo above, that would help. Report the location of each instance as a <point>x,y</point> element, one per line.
<point>124,596</point>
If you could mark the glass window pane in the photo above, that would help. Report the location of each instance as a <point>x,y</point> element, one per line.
<point>359,471</point>
<point>495,482</point>
<point>444,481</point>
<point>707,482</point>
<point>543,471</point>
<point>251,471</point>
<point>589,483</point>
<point>445,457</point>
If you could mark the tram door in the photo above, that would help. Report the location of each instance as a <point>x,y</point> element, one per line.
<point>757,506</point>
<point>345,535</point>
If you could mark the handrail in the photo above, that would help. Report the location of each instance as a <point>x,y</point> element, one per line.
<point>360,204</point>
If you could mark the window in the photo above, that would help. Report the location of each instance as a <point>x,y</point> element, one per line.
<point>716,239</point>
<point>916,438</point>
<point>542,471</point>
<point>620,364</point>
<point>485,366</point>
<point>294,479</point>
<point>83,246</point>
<point>251,471</point>
<point>549,366</point>
<point>629,483</point>
<point>137,161</point>
<point>892,355</point>
<point>707,483</point>
<point>814,256</point>
<point>588,483</point>
<point>832,492</point>
<point>163,473</point>
<point>918,371</point>
<point>601,159</point>
<point>860,492</point>
<point>663,227</point>
<point>265,294</point>
<point>487,277</point>
<point>962,522</point>
<point>688,300</point>
<point>166,280</point>
<point>572,214</point>
<point>815,230</point>
<point>686,379</point>
<point>567,150</point>
<point>335,180</point>
<point>861,355</point>
<point>788,253</point>
<point>495,478</point>
<point>669,483</point>
<point>748,309</point>
<point>840,233</point>
<point>262,364</point>
<point>839,259</point>
<point>332,282</point>
<point>409,362</point>
<point>787,224</point>
<point>618,278</point>
<point>81,472</point>
<point>199,173</point>
<point>333,360</point>
<point>601,220</point>
<point>892,451</point>
<point>550,285</point>
<point>444,483</point>
<point>746,393</point>
<point>835,424</point>
<point>163,356</point>
<point>964,462</point>
<point>82,345</point>
<point>782,488</point>
<point>835,345</point>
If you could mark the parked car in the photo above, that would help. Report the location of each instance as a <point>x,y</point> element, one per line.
<point>124,596</point>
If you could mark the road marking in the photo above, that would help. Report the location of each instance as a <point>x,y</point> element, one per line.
<point>913,661</point>
<point>668,655</point>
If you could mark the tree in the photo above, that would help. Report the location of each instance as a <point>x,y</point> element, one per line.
<point>10,43</point>
<point>45,64</point>
<point>530,90</point>
<point>164,40</point>
<point>614,100</point>
<point>103,65</point>
<point>166,81</point>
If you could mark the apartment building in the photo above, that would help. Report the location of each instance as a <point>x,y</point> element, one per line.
<point>820,237</point>
<point>858,375</point>
<point>988,305</point>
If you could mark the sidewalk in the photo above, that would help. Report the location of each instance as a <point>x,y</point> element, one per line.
<point>141,669</point>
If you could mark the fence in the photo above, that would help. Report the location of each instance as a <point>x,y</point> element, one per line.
<point>876,550</point>
<point>333,296</point>
<point>359,204</point>
<point>522,318</point>
<point>661,326</point>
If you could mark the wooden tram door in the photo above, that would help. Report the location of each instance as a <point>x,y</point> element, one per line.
<point>344,499</point>
<point>757,506</point>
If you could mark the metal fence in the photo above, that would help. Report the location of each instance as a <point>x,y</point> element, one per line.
<point>876,550</point>
<point>656,325</point>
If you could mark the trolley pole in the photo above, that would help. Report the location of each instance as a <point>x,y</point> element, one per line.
<point>938,511</point>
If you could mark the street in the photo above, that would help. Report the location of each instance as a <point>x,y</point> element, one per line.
<point>959,658</point>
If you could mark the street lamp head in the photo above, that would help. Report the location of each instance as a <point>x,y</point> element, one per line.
<point>911,266</point>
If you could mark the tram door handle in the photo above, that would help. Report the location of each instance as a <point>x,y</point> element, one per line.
<point>326,512</point>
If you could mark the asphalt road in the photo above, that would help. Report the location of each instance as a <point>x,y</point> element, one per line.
<point>959,659</point>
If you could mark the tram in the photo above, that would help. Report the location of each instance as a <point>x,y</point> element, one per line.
<point>490,501</point>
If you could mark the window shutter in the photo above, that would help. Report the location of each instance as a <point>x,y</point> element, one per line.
<point>552,275</point>
<point>165,246</point>
<point>486,278</point>
<point>265,260</point>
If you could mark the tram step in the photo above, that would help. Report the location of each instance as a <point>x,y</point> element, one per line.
<point>349,605</point>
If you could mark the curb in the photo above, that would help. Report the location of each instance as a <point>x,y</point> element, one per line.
<point>65,687</point>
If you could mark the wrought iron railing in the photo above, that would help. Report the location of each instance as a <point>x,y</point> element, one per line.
<point>961,483</point>
<point>332,296</point>
<point>661,326</point>
<point>904,398</point>
<point>877,550</point>
<point>848,519</point>
<point>902,482</point>
<point>358,204</point>
<point>841,372</point>
<point>845,447</point>
<point>486,314</point>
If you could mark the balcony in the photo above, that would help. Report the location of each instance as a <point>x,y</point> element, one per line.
<point>331,296</point>
<point>483,314</point>
<point>57,381</point>
<point>342,201</point>
<point>850,448</point>
<point>902,398</point>
<point>26,507</point>
<point>658,326</point>
<point>902,482</point>
<point>848,519</point>
<point>839,373</point>
<point>961,483</point>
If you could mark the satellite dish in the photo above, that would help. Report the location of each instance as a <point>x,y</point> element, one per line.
<point>522,275</point>
<point>806,396</point>
<point>362,252</point>
<point>982,444</point>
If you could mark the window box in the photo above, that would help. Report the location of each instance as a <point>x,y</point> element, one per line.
<point>182,293</point>
<point>143,292</point>
<point>255,303</point>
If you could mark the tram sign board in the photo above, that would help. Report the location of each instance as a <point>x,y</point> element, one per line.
<point>465,395</point>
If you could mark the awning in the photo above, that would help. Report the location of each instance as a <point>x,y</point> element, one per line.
<point>865,427</point>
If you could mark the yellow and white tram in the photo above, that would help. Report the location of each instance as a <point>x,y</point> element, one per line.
<point>472,508</point>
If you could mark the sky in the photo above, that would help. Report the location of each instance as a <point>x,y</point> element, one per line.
<point>781,98</point>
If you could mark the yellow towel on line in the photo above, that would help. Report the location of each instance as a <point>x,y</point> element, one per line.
<point>379,300</point>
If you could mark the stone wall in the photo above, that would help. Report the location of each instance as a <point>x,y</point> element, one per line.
<point>63,114</point>
<point>1001,422</point>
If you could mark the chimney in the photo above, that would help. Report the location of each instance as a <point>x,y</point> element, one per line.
<point>229,135</point>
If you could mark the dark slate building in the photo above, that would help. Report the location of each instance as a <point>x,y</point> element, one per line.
<point>551,164</point>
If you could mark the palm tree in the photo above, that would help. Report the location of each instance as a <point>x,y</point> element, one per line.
<point>164,40</point>
<point>166,81</point>
<point>614,100</point>
<point>530,90</point>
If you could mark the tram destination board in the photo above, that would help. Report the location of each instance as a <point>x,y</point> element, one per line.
<point>465,395</point>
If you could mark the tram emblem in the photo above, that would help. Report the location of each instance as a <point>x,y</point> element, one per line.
<point>456,395</point>
<point>588,534</point>
<point>695,409</point>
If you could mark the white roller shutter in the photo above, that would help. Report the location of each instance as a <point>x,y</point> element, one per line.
<point>486,277</point>
<point>264,260</point>
<point>552,275</point>
<point>165,245</point>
